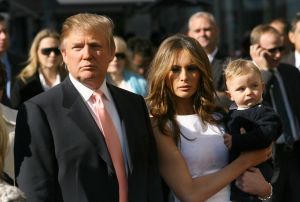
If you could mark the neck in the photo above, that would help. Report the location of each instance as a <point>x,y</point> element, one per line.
<point>49,75</point>
<point>116,78</point>
<point>209,51</point>
<point>184,106</point>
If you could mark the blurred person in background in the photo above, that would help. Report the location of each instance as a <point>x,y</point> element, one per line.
<point>13,62</point>
<point>282,93</point>
<point>9,116</point>
<point>8,192</point>
<point>283,27</point>
<point>119,71</point>
<point>293,58</point>
<point>203,27</point>
<point>142,52</point>
<point>43,70</point>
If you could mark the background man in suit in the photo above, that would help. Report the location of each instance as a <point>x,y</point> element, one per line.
<point>13,62</point>
<point>61,148</point>
<point>202,27</point>
<point>282,92</point>
<point>283,27</point>
<point>293,58</point>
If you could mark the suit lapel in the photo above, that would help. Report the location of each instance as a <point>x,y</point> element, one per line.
<point>82,117</point>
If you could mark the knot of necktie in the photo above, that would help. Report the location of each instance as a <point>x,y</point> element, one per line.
<point>97,98</point>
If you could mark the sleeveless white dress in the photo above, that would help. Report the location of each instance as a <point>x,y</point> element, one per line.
<point>204,150</point>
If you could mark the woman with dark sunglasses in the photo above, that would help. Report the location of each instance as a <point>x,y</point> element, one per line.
<point>119,71</point>
<point>43,70</point>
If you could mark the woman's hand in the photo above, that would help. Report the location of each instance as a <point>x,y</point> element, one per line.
<point>253,182</point>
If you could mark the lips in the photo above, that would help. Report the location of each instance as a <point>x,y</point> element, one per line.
<point>88,66</point>
<point>184,88</point>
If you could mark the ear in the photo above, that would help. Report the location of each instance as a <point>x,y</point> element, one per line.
<point>64,55</point>
<point>263,86</point>
<point>292,37</point>
<point>112,54</point>
<point>227,93</point>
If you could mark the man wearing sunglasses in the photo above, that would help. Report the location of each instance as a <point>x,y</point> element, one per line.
<point>282,92</point>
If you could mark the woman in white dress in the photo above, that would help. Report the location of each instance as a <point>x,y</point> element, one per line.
<point>187,127</point>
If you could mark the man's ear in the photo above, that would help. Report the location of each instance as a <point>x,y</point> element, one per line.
<point>292,37</point>
<point>112,53</point>
<point>64,55</point>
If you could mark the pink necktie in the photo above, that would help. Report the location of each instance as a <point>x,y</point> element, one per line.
<point>112,142</point>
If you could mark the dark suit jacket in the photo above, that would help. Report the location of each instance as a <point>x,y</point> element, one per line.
<point>217,68</point>
<point>16,65</point>
<point>291,79</point>
<point>23,91</point>
<point>289,59</point>
<point>60,153</point>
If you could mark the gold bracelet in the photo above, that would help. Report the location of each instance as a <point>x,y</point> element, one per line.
<point>269,196</point>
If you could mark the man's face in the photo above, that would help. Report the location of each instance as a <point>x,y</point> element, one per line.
<point>3,37</point>
<point>87,55</point>
<point>295,37</point>
<point>272,43</point>
<point>205,32</point>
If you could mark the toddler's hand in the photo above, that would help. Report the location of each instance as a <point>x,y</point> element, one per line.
<point>227,140</point>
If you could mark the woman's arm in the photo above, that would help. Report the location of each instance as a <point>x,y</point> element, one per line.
<point>175,172</point>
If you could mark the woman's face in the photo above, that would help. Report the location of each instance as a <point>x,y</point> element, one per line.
<point>48,53</point>
<point>184,76</point>
<point>117,65</point>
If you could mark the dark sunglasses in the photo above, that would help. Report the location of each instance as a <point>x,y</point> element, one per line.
<point>276,49</point>
<point>48,51</point>
<point>120,56</point>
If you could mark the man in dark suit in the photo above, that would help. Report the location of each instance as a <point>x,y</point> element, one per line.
<point>293,58</point>
<point>61,150</point>
<point>283,94</point>
<point>13,62</point>
<point>202,27</point>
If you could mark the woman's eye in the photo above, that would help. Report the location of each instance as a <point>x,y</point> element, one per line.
<point>193,68</point>
<point>175,69</point>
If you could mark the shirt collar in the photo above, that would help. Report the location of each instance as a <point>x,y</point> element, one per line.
<point>212,55</point>
<point>86,92</point>
<point>44,83</point>
<point>297,59</point>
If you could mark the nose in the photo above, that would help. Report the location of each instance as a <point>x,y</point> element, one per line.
<point>278,54</point>
<point>183,75</point>
<point>52,54</point>
<point>87,52</point>
<point>248,91</point>
<point>201,32</point>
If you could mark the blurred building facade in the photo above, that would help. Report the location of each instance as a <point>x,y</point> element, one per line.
<point>154,19</point>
